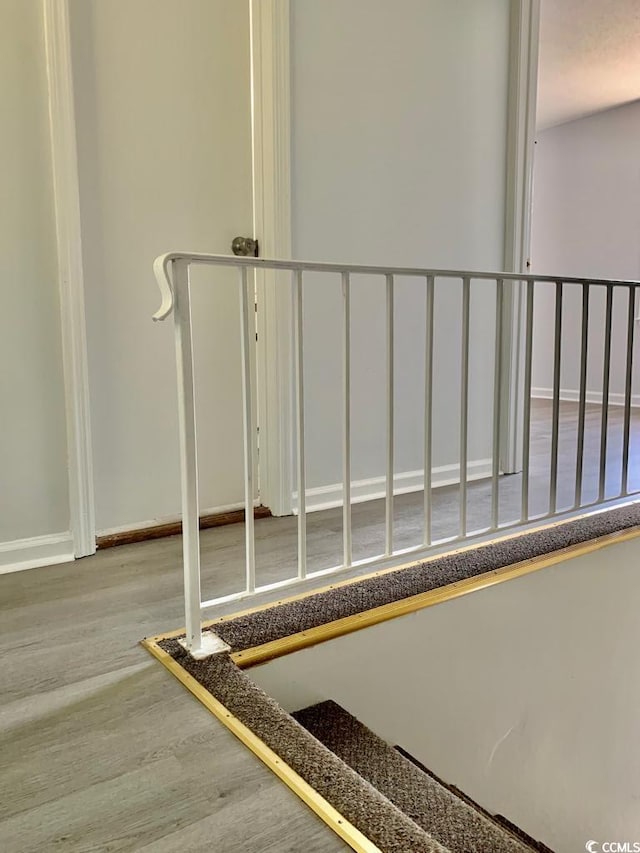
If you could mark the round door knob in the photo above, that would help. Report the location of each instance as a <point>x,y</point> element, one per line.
<point>245,247</point>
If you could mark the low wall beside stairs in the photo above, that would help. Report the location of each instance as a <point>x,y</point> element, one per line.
<point>524,695</point>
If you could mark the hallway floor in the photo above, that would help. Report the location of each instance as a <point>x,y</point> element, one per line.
<point>101,749</point>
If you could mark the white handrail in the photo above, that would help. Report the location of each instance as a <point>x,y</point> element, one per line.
<point>172,274</point>
<point>161,271</point>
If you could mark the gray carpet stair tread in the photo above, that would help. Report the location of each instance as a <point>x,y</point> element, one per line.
<point>387,826</point>
<point>497,818</point>
<point>453,821</point>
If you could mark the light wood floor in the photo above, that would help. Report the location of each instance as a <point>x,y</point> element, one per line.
<point>102,750</point>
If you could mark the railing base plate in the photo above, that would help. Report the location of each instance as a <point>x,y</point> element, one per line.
<point>210,644</point>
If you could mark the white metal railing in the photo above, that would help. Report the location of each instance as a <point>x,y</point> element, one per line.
<point>172,273</point>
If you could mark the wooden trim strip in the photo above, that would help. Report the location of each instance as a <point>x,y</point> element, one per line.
<point>209,623</point>
<point>340,627</point>
<point>325,811</point>
<point>173,528</point>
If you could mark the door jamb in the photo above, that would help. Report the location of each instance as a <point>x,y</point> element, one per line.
<point>66,194</point>
<point>271,133</point>
<point>521,117</point>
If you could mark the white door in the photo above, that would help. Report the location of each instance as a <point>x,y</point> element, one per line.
<point>162,91</point>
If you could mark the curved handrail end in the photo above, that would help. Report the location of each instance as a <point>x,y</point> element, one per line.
<point>163,277</point>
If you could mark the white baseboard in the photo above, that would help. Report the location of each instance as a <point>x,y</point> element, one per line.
<point>170,519</point>
<point>570,395</point>
<point>37,551</point>
<point>328,497</point>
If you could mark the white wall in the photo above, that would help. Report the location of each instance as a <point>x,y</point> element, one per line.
<point>33,476</point>
<point>162,107</point>
<point>524,695</point>
<point>586,222</point>
<point>399,127</point>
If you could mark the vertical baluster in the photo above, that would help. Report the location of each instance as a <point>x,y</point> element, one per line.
<point>528,363</point>
<point>188,456</point>
<point>346,424</point>
<point>626,431</point>
<point>605,394</point>
<point>497,398</point>
<point>428,407</point>
<point>247,310</point>
<point>300,452</point>
<point>582,399</point>
<point>390,418</point>
<point>464,403</point>
<point>555,415</point>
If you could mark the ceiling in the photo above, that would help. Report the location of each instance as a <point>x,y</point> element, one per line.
<point>589,58</point>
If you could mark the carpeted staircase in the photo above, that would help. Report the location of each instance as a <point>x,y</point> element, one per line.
<point>395,802</point>
<point>449,817</point>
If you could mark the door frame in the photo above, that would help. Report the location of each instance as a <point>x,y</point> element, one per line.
<point>270,103</point>
<point>66,197</point>
<point>521,120</point>
<point>271,131</point>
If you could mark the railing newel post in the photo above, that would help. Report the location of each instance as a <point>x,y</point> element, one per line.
<point>188,455</point>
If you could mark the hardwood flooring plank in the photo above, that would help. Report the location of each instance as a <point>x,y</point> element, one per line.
<point>253,832</point>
